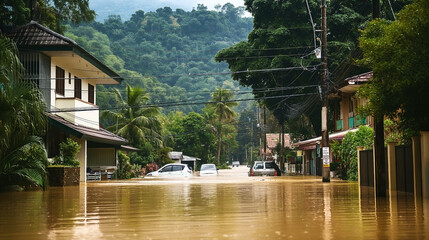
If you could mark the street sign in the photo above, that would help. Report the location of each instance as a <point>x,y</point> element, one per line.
<point>325,151</point>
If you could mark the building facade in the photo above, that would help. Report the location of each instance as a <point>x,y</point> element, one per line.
<point>344,105</point>
<point>67,76</point>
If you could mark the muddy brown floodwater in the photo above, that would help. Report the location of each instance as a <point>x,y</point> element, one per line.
<point>229,206</point>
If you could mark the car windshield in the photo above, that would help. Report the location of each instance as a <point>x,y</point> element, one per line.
<point>208,167</point>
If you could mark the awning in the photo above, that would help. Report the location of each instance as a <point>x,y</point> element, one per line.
<point>94,135</point>
<point>311,143</point>
<point>189,159</point>
<point>129,148</point>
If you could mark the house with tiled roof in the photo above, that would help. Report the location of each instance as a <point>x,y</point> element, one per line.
<point>273,139</point>
<point>67,76</point>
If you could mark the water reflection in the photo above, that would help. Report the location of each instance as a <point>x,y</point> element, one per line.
<point>257,208</point>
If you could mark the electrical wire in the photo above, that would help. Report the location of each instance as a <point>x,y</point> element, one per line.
<point>391,9</point>
<point>309,68</point>
<point>237,92</point>
<point>312,23</point>
<point>173,104</point>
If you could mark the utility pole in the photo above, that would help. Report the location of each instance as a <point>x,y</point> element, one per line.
<point>251,141</point>
<point>324,80</point>
<point>380,161</point>
<point>265,135</point>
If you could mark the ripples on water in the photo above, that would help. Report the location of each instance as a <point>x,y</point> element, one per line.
<point>211,208</point>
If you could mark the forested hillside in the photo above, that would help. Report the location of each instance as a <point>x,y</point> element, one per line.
<point>168,53</point>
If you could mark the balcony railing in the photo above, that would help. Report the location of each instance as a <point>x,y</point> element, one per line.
<point>339,124</point>
<point>351,122</point>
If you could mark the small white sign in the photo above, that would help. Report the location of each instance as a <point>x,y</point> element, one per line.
<point>325,156</point>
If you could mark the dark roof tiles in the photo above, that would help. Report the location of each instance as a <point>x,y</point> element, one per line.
<point>96,135</point>
<point>34,34</point>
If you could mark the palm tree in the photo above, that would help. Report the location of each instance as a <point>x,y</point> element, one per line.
<point>22,155</point>
<point>221,107</point>
<point>134,121</point>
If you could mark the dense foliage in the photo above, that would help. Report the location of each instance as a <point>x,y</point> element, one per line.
<point>397,52</point>
<point>346,151</point>
<point>283,41</point>
<point>134,122</point>
<point>52,14</point>
<point>68,153</point>
<point>23,156</point>
<point>192,135</point>
<point>168,53</point>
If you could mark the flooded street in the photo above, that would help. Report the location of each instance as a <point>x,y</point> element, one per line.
<point>229,206</point>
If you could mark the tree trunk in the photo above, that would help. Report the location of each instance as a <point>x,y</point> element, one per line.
<point>219,145</point>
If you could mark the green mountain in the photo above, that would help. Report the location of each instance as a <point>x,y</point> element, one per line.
<point>169,53</point>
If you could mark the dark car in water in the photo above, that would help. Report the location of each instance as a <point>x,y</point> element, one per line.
<point>265,168</point>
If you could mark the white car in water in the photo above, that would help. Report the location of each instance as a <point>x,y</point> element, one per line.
<point>172,170</point>
<point>208,170</point>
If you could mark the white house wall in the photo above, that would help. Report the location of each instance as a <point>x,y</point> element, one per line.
<point>84,118</point>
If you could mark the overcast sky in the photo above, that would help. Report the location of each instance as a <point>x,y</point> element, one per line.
<point>126,8</point>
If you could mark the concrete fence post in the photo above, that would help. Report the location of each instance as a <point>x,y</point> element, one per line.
<point>391,166</point>
<point>424,144</point>
<point>417,167</point>
<point>358,149</point>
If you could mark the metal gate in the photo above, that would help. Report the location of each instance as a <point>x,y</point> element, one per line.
<point>404,168</point>
<point>366,168</point>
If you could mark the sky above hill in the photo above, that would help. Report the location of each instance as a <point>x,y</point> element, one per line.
<point>125,8</point>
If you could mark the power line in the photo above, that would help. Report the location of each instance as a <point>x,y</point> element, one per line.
<point>308,68</point>
<point>238,92</point>
<point>183,103</point>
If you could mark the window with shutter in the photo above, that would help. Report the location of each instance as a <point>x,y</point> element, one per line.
<point>59,80</point>
<point>90,93</point>
<point>77,87</point>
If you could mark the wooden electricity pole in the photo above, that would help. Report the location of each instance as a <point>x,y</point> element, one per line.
<point>324,80</point>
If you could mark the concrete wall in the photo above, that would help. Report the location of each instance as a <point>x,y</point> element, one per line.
<point>82,157</point>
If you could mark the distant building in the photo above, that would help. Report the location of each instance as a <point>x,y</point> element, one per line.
<point>273,139</point>
<point>178,157</point>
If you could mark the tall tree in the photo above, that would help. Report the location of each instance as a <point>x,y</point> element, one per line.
<point>51,13</point>
<point>193,136</point>
<point>135,122</point>
<point>397,52</point>
<point>223,114</point>
<point>282,43</point>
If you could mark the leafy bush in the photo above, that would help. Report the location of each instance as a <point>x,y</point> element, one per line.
<point>68,152</point>
<point>124,171</point>
<point>150,167</point>
<point>348,168</point>
<point>25,166</point>
<point>136,171</point>
<point>163,157</point>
